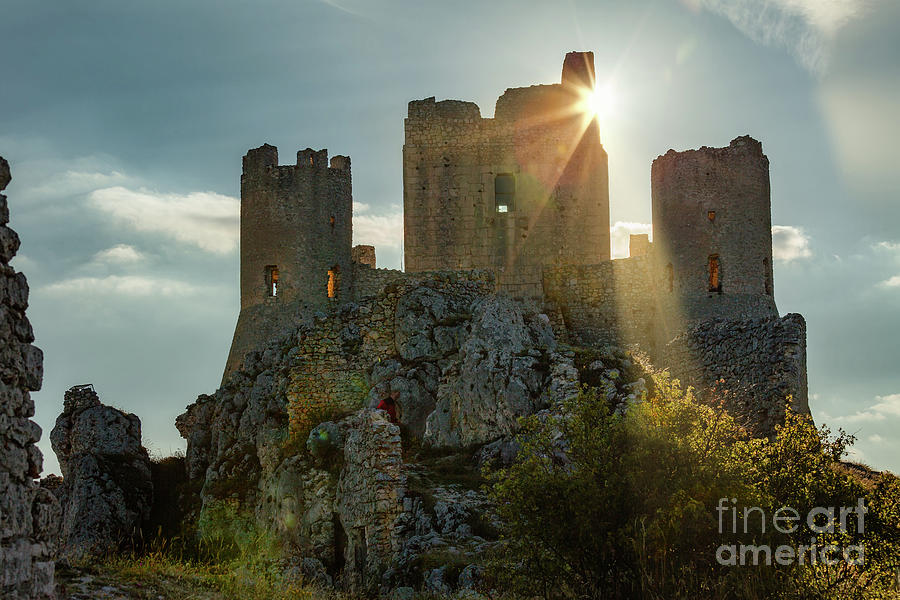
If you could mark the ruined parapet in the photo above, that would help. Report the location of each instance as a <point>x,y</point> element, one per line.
<point>638,245</point>
<point>756,366</point>
<point>516,193</point>
<point>296,234</point>
<point>712,230</point>
<point>363,255</point>
<point>29,514</point>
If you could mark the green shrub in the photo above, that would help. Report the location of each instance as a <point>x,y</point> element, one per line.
<point>625,506</point>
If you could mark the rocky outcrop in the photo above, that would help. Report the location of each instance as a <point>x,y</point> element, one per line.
<point>339,494</point>
<point>29,514</point>
<point>500,375</point>
<point>107,489</point>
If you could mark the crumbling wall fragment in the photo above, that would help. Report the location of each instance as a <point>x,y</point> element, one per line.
<point>29,514</point>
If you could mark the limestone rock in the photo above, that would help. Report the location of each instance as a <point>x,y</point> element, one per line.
<point>500,376</point>
<point>107,484</point>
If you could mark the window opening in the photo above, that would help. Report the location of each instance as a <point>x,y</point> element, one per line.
<point>715,281</point>
<point>711,215</point>
<point>272,280</point>
<point>334,281</point>
<point>505,192</point>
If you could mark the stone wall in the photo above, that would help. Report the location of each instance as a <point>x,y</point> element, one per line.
<point>556,198</point>
<point>607,303</point>
<point>370,496</point>
<point>29,514</point>
<point>370,282</point>
<point>760,362</point>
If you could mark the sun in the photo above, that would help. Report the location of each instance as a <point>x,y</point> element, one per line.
<point>600,102</point>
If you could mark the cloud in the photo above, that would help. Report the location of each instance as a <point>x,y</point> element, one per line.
<point>378,230</point>
<point>890,246</point>
<point>120,254</point>
<point>789,243</point>
<point>206,220</point>
<point>620,236</point>
<point>885,407</point>
<point>803,27</point>
<point>892,282</point>
<point>128,285</point>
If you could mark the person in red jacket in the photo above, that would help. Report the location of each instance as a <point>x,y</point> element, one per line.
<point>390,406</point>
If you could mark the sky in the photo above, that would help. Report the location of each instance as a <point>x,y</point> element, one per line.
<point>125,122</point>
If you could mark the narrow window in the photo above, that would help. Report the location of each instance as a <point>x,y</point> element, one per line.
<point>334,281</point>
<point>505,192</point>
<point>272,280</point>
<point>670,276</point>
<point>310,160</point>
<point>711,215</point>
<point>332,221</point>
<point>715,282</point>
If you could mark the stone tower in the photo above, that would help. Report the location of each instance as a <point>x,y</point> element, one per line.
<point>524,190</point>
<point>712,231</point>
<point>296,232</point>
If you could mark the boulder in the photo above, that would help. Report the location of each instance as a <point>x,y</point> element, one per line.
<point>107,483</point>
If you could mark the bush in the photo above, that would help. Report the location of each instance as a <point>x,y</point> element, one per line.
<point>625,506</point>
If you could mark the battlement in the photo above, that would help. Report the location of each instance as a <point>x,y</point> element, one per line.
<point>525,196</point>
<point>265,160</point>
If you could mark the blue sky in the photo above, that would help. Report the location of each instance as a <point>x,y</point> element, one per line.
<point>125,123</point>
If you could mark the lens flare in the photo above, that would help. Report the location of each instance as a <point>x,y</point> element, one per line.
<point>600,102</point>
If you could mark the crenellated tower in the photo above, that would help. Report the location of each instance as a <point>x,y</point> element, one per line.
<point>296,235</point>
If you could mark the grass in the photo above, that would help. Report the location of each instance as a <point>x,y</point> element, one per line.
<point>159,574</point>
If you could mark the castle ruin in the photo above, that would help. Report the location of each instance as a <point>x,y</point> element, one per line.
<point>524,196</point>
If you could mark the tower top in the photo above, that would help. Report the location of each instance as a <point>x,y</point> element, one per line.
<point>578,69</point>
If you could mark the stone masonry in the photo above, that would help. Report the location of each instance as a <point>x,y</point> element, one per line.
<point>515,193</point>
<point>295,242</point>
<point>29,514</point>
<point>524,196</point>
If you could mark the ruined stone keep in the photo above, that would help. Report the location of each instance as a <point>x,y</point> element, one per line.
<point>524,196</point>
<point>508,290</point>
<point>525,190</point>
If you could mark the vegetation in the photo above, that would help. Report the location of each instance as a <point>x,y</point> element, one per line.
<point>639,505</point>
<point>162,573</point>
